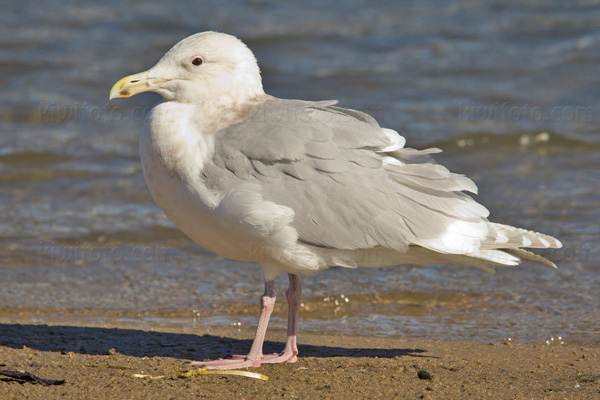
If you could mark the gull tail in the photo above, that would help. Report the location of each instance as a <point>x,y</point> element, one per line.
<point>510,237</point>
<point>505,245</point>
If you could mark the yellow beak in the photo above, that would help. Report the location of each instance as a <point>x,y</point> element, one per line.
<point>134,84</point>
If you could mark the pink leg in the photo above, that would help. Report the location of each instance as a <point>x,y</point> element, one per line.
<point>290,351</point>
<point>254,358</point>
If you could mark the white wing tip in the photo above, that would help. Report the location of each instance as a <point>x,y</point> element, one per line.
<point>397,141</point>
<point>392,161</point>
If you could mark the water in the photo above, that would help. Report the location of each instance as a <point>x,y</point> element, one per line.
<point>509,90</point>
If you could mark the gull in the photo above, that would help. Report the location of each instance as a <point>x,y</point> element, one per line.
<point>299,186</point>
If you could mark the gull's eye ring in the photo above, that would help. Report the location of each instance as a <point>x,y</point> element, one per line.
<point>197,61</point>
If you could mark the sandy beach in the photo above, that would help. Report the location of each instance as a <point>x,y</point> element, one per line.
<point>102,362</point>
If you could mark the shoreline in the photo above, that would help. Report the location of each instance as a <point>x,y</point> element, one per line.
<point>99,362</point>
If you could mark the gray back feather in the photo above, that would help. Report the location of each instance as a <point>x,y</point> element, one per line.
<point>327,164</point>
<point>322,162</point>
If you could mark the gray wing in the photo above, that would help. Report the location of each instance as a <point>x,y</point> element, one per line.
<point>350,183</point>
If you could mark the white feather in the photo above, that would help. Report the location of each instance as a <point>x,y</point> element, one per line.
<point>397,141</point>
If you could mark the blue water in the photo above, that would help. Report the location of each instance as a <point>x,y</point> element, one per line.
<point>509,90</point>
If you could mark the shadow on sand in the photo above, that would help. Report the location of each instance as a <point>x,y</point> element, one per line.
<point>140,343</point>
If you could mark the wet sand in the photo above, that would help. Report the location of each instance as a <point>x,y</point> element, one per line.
<point>99,362</point>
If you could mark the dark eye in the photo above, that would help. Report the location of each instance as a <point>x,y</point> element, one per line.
<point>197,61</point>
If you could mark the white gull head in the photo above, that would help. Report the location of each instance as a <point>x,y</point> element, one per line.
<point>206,67</point>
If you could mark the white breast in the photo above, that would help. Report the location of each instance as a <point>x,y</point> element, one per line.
<point>173,155</point>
